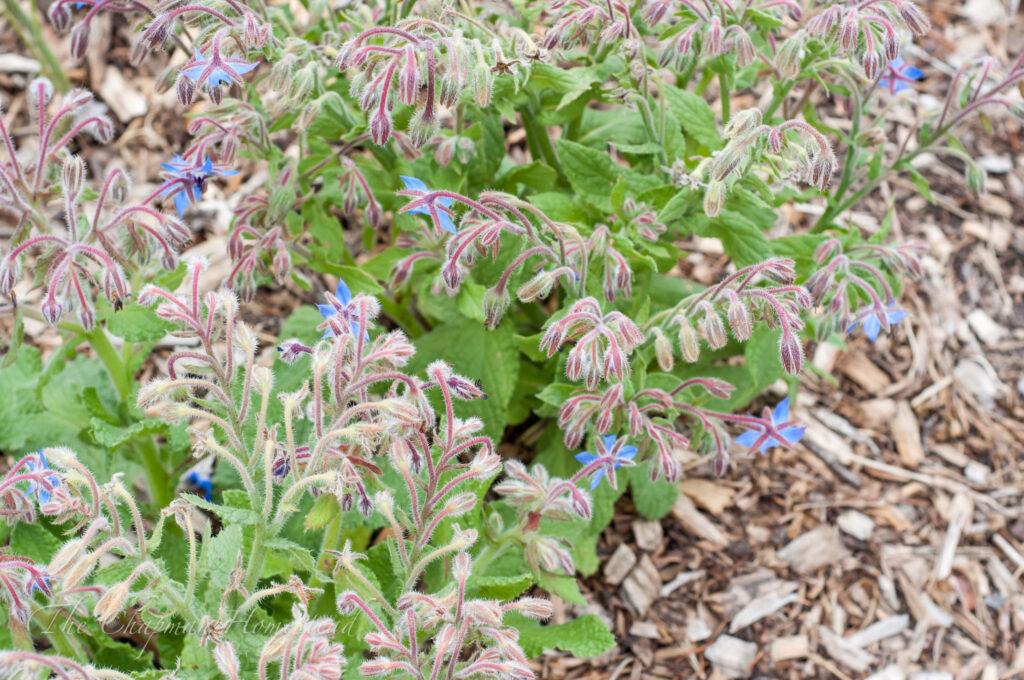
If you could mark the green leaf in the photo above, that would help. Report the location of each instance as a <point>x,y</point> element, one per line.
<point>34,542</point>
<point>135,323</point>
<point>592,173</point>
<point>230,515</point>
<point>565,587</point>
<point>694,114</point>
<point>922,184</point>
<point>285,557</point>
<point>582,637</point>
<point>474,352</point>
<point>324,510</point>
<point>653,500</point>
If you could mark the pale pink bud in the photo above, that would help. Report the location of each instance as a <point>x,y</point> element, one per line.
<point>713,38</point>
<point>915,20</point>
<point>791,353</point>
<point>714,329</point>
<point>380,126</point>
<point>663,350</point>
<point>409,78</point>
<point>872,63</point>
<point>774,140</point>
<point>689,343</point>
<point>714,198</point>
<point>739,318</point>
<point>52,310</point>
<point>60,16</point>
<point>79,41</point>
<point>848,32</point>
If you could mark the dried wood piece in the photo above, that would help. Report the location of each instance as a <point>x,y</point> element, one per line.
<point>707,494</point>
<point>760,607</point>
<point>619,564</point>
<point>681,580</point>
<point>815,549</point>
<point>697,629</point>
<point>731,656</point>
<point>791,647</point>
<point>642,586</point>
<point>861,370</point>
<point>856,524</point>
<point>906,432</point>
<point>645,629</point>
<point>879,630</point>
<point>961,510</point>
<point>694,522</point>
<point>889,673</point>
<point>842,652</point>
<point>648,534</point>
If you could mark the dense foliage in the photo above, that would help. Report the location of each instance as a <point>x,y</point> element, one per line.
<point>515,181</point>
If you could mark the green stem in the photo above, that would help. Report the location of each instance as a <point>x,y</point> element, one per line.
<point>117,368</point>
<point>540,138</point>
<point>781,92</point>
<point>31,35</point>
<point>725,93</point>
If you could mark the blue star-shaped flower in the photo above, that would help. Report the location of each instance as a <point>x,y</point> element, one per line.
<point>779,417</point>
<point>872,320</point>
<point>413,184</point>
<point>186,180</point>
<point>201,482</point>
<point>344,296</point>
<point>215,69</point>
<point>899,75</point>
<point>607,442</point>
<point>34,464</point>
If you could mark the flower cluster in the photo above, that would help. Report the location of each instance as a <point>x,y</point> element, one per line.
<point>95,244</point>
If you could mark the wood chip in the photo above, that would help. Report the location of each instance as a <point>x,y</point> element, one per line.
<point>889,673</point>
<point>879,630</point>
<point>907,434</point>
<point>710,496</point>
<point>648,534</point>
<point>681,580</point>
<point>760,607</point>
<point>642,586</point>
<point>619,564</point>
<point>856,524</point>
<point>843,653</point>
<point>694,522</point>
<point>815,549</point>
<point>645,629</point>
<point>961,511</point>
<point>791,647</point>
<point>731,656</point>
<point>858,368</point>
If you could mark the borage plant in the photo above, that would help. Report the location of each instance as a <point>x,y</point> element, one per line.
<point>525,180</point>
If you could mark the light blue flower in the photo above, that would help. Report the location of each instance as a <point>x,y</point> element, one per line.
<point>344,296</point>
<point>215,70</point>
<point>872,320</point>
<point>201,482</point>
<point>185,180</point>
<point>607,442</point>
<point>899,75</point>
<point>779,417</point>
<point>445,220</point>
<point>34,464</point>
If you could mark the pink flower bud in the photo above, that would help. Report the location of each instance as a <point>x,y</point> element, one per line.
<point>774,140</point>
<point>872,63</point>
<point>848,32</point>
<point>915,20</point>
<point>791,352</point>
<point>483,84</point>
<point>52,310</point>
<point>663,350</point>
<point>380,126</point>
<point>714,329</point>
<point>409,78</point>
<point>72,176</point>
<point>496,303</point>
<point>743,48</point>
<point>739,318</point>
<point>891,46</point>
<point>822,167</point>
<point>713,38</point>
<point>60,16</point>
<point>86,317</point>
<point>10,274</point>
<point>79,41</point>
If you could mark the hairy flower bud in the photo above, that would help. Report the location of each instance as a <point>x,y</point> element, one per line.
<point>975,176</point>
<point>915,20</point>
<point>872,63</point>
<point>79,42</point>
<point>380,126</point>
<point>714,329</point>
<point>791,352</point>
<point>790,55</point>
<point>409,78</point>
<point>714,198</point>
<point>713,38</point>
<point>739,318</point>
<point>740,124</point>
<point>39,93</point>
<point>663,350</point>
<point>496,303</point>
<point>112,602</point>
<point>60,16</point>
<point>51,310</point>
<point>689,343</point>
<point>483,84</point>
<point>774,140</point>
<point>822,167</point>
<point>72,176</point>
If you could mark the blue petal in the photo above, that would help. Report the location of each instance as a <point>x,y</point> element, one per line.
<point>585,458</point>
<point>609,441</point>
<point>792,434</point>
<point>871,327</point>
<point>207,166</point>
<point>181,202</point>
<point>627,452</point>
<point>900,86</point>
<point>896,316</point>
<point>781,413</point>
<point>217,77</point>
<point>913,72</point>
<point>446,221</point>
<point>413,184</point>
<point>241,67</point>
<point>896,63</point>
<point>226,172</point>
<point>326,310</point>
<point>419,210</point>
<point>748,438</point>
<point>193,72</point>
<point>342,292</point>
<point>597,479</point>
<point>770,444</point>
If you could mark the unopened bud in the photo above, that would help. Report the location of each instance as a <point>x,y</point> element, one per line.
<point>79,41</point>
<point>409,78</point>
<point>72,176</point>
<point>791,353</point>
<point>915,20</point>
<point>739,318</point>
<point>714,329</point>
<point>38,94</point>
<point>380,126</point>
<point>713,38</point>
<point>975,178</point>
<point>663,350</point>
<point>111,602</point>
<point>483,84</point>
<point>790,55</point>
<point>743,122</point>
<point>714,198</point>
<point>689,343</point>
<point>496,303</point>
<point>60,16</point>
